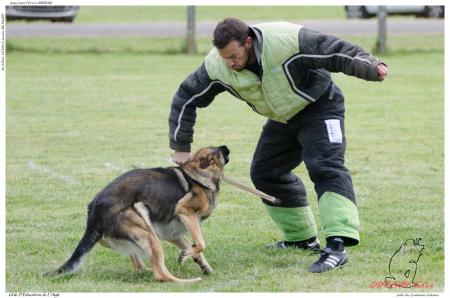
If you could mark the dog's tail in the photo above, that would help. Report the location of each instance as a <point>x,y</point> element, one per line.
<point>88,241</point>
<point>91,236</point>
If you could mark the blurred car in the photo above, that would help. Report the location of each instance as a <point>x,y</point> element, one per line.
<point>368,11</point>
<point>51,13</point>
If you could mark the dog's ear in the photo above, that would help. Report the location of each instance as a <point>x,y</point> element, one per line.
<point>203,162</point>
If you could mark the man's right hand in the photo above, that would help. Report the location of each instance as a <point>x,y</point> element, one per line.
<point>180,157</point>
<point>382,71</point>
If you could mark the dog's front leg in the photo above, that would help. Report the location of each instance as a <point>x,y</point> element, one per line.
<point>192,224</point>
<point>184,244</point>
<point>203,263</point>
<point>138,264</point>
<point>185,211</point>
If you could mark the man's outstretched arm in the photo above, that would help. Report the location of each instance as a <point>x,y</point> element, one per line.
<point>318,50</point>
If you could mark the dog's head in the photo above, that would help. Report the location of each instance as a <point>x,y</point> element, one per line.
<point>212,157</point>
<point>207,164</point>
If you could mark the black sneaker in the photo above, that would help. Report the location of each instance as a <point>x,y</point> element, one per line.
<point>329,260</point>
<point>310,244</point>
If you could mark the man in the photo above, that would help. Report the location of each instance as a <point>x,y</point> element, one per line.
<point>282,71</point>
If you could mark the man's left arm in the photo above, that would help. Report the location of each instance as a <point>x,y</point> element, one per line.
<point>318,50</point>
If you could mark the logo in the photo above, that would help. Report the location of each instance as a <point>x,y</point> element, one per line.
<point>403,266</point>
<point>334,130</point>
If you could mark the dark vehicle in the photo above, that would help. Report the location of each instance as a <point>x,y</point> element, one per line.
<point>51,13</point>
<point>369,11</point>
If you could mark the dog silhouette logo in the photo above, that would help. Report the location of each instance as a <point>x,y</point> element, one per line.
<point>403,263</point>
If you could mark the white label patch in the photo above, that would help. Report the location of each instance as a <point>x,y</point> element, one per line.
<point>334,130</point>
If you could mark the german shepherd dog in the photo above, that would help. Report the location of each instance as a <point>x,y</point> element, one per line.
<point>142,206</point>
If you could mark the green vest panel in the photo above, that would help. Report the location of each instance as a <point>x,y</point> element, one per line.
<point>272,96</point>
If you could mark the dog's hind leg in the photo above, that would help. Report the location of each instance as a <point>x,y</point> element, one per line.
<point>184,244</point>
<point>154,249</point>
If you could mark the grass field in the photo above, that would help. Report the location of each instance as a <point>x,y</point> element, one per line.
<point>75,119</point>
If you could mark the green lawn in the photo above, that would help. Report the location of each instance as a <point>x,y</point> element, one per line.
<point>77,116</point>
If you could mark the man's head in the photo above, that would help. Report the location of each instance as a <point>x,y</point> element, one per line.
<point>232,40</point>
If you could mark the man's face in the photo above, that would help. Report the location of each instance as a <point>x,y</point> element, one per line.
<point>236,55</point>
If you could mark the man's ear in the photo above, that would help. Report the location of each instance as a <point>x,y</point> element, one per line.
<point>203,162</point>
<point>249,41</point>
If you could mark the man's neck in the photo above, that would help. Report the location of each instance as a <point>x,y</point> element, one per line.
<point>251,57</point>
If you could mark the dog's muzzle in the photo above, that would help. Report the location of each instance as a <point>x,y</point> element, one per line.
<point>225,153</point>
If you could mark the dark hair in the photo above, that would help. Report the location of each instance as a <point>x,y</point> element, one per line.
<point>228,30</point>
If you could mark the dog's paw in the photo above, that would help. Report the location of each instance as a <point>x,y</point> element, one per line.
<point>204,266</point>
<point>182,257</point>
<point>206,270</point>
